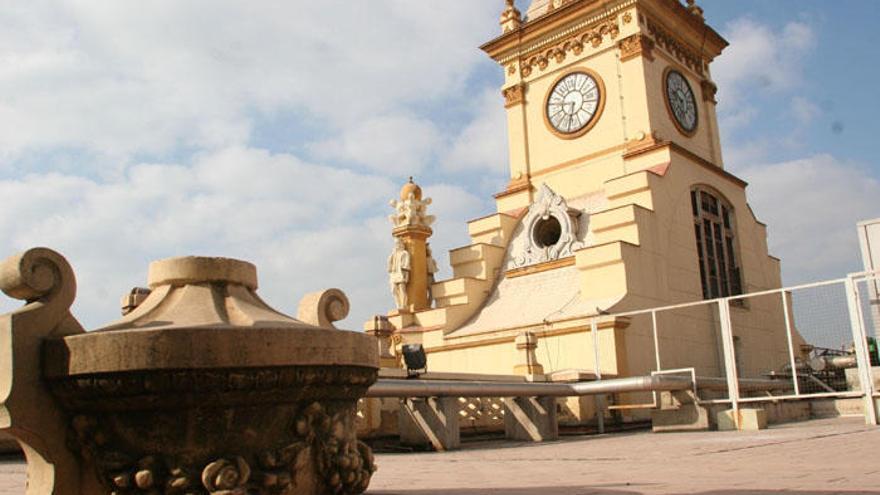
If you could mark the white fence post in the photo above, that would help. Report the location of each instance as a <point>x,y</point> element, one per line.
<point>794,370</point>
<point>729,358</point>
<point>860,342</point>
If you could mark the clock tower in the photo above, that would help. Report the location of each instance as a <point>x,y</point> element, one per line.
<point>618,200</point>
<point>587,82</point>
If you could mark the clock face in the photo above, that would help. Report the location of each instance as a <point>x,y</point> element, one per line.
<point>573,102</point>
<point>681,101</point>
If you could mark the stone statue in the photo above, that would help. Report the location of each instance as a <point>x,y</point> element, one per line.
<point>432,270</point>
<point>399,266</point>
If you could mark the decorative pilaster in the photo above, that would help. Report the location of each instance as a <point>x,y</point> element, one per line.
<point>526,343</point>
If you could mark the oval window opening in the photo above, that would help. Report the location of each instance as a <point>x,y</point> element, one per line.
<point>547,232</point>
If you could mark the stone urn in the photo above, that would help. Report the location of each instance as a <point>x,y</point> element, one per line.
<point>201,388</point>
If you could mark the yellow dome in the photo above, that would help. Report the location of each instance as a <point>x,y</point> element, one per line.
<point>410,188</point>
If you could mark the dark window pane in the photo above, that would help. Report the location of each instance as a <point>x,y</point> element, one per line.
<point>730,254</point>
<point>707,230</point>
<point>698,233</point>
<point>694,203</point>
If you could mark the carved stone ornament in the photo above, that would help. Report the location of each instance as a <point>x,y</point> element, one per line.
<point>200,389</point>
<point>513,95</point>
<point>323,308</point>
<point>635,45</point>
<point>411,211</point>
<point>548,232</point>
<point>574,44</point>
<point>709,90</point>
<point>511,18</point>
<point>677,48</point>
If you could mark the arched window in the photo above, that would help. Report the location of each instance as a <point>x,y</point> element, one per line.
<point>715,231</point>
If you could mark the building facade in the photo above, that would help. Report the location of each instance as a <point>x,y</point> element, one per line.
<point>618,200</point>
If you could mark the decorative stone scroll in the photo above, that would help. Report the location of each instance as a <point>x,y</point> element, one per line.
<point>323,308</point>
<point>548,231</point>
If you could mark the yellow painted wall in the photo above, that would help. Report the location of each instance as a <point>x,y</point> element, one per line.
<point>643,252</point>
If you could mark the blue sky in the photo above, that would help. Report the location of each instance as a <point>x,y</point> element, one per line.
<point>277,132</point>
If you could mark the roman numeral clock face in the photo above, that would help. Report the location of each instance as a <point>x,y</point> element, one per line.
<point>573,103</point>
<point>681,101</point>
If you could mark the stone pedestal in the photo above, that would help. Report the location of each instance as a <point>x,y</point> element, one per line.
<point>430,422</point>
<point>750,419</point>
<point>531,419</point>
<point>200,389</point>
<point>679,411</point>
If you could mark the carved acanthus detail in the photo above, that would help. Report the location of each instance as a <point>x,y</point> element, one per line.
<point>636,45</point>
<point>574,44</point>
<point>321,437</point>
<point>548,232</point>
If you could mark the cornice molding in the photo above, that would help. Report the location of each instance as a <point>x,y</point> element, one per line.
<point>550,30</point>
<point>574,43</point>
<point>677,48</point>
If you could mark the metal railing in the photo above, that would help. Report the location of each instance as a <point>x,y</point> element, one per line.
<point>793,342</point>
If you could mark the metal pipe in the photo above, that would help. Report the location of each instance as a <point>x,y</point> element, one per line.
<point>822,363</point>
<point>448,388</point>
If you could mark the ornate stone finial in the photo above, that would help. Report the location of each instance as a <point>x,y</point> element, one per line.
<point>694,9</point>
<point>511,18</point>
<point>411,209</point>
<point>407,266</point>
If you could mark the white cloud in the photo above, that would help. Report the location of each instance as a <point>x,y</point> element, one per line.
<point>302,224</point>
<point>760,58</point>
<point>97,86</point>
<point>762,65</point>
<point>396,145</point>
<point>804,110</point>
<point>482,144</point>
<point>126,77</point>
<point>812,206</point>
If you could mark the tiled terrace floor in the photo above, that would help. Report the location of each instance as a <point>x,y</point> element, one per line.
<point>816,457</point>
